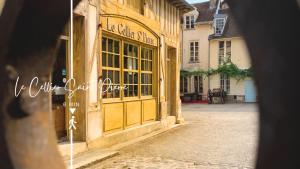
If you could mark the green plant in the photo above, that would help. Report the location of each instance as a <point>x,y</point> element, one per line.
<point>227,68</point>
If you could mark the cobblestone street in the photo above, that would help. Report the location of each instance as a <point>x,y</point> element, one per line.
<point>214,137</point>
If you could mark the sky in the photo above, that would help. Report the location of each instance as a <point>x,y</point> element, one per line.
<point>196,1</point>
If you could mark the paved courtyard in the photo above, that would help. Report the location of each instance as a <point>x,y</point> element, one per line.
<point>214,137</point>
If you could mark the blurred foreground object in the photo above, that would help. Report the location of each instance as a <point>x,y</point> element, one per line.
<point>272,31</point>
<point>29,30</point>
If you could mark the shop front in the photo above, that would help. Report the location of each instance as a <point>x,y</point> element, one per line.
<point>129,71</point>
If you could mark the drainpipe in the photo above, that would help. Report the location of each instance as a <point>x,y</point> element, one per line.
<point>208,63</point>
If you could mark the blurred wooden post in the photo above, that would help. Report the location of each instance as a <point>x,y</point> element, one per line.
<point>29,30</point>
<point>272,31</point>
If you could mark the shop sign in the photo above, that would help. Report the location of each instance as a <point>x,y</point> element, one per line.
<point>128,29</point>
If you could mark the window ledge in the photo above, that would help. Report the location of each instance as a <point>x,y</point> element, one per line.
<point>190,62</point>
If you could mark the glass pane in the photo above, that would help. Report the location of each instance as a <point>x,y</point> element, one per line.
<point>116,93</point>
<point>143,64</point>
<point>135,64</point>
<point>135,54</point>
<point>117,61</point>
<point>130,50</point>
<point>150,66</point>
<point>136,78</point>
<point>143,78</point>
<point>151,54</point>
<point>126,62</point>
<point>110,75</point>
<point>125,49</point>
<point>221,44</point>
<point>104,40</point>
<point>135,90</point>
<point>150,79</point>
<point>150,90</point>
<point>110,45</point>
<point>143,53</point>
<point>104,59</point>
<point>117,77</point>
<point>130,90</point>
<point>110,60</point>
<point>130,76</point>
<point>117,47</point>
<point>104,74</point>
<point>126,81</point>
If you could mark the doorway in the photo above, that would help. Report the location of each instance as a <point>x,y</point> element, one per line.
<point>250,91</point>
<point>171,81</point>
<point>58,78</point>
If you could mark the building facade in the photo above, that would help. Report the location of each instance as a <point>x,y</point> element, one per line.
<point>210,39</point>
<point>125,67</point>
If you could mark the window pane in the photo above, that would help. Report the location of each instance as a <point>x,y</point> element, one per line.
<point>104,59</point>
<point>136,78</point>
<point>135,90</point>
<point>117,61</point>
<point>110,45</point>
<point>110,60</point>
<point>116,47</point>
<point>104,75</point>
<point>117,77</point>
<point>125,49</point>
<point>104,40</point>
<point>126,80</point>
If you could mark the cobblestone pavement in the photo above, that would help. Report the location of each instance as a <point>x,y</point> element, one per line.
<point>214,137</point>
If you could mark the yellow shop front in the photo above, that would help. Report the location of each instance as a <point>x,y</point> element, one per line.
<point>129,73</point>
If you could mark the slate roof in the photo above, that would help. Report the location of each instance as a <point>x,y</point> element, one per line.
<point>207,15</point>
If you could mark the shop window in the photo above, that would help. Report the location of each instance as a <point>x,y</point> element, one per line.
<point>110,67</point>
<point>146,71</point>
<point>134,65</point>
<point>130,70</point>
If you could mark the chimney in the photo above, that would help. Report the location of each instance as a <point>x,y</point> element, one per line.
<point>213,4</point>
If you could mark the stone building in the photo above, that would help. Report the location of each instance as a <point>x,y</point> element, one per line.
<point>211,38</point>
<point>125,67</point>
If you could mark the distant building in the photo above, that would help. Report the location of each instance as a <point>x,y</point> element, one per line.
<point>210,38</point>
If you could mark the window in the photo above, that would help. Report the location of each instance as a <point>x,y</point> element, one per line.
<point>198,84</point>
<point>221,52</point>
<point>219,25</point>
<point>146,71</point>
<point>183,84</point>
<point>225,82</point>
<point>189,22</point>
<point>130,70</point>
<point>194,51</point>
<point>110,67</point>
<point>228,50</point>
<point>224,54</point>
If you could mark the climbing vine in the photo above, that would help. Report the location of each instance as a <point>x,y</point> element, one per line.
<point>228,68</point>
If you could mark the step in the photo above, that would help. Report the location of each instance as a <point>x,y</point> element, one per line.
<point>91,156</point>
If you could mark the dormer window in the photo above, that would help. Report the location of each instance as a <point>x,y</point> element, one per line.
<point>219,23</point>
<point>190,22</point>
